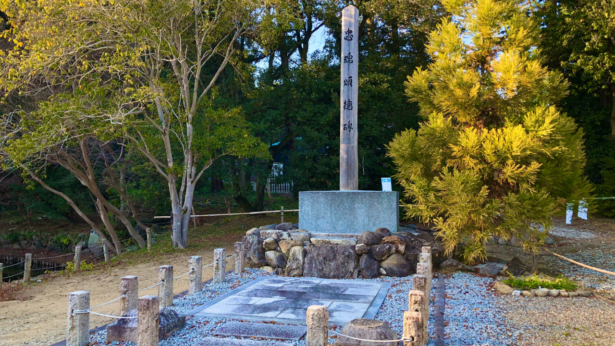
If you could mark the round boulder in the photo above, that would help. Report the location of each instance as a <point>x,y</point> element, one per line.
<point>397,265</point>
<point>369,238</point>
<point>275,259</point>
<point>369,267</point>
<point>383,232</point>
<point>367,330</point>
<point>270,244</point>
<point>382,251</point>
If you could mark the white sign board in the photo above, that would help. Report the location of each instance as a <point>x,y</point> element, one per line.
<point>569,212</point>
<point>386,184</point>
<point>582,213</point>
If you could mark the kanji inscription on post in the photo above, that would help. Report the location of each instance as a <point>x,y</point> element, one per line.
<point>349,98</point>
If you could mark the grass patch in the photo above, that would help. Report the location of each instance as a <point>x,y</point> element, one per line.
<point>535,282</point>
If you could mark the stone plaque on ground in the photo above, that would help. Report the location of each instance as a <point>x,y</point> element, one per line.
<point>125,329</point>
<point>285,300</point>
<point>261,330</point>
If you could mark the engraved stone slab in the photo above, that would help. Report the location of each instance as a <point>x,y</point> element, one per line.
<point>286,300</point>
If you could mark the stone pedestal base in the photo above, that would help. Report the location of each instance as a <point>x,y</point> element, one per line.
<point>125,329</point>
<point>348,212</point>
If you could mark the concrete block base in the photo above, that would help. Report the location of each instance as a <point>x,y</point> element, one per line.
<point>348,212</point>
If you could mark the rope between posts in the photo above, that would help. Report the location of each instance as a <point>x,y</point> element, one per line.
<point>177,277</point>
<point>109,302</point>
<point>8,277</point>
<point>152,286</point>
<point>582,265</point>
<point>12,265</point>
<point>99,314</point>
<point>410,339</point>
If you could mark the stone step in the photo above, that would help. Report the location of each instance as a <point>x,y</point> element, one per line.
<point>261,330</point>
<point>210,341</point>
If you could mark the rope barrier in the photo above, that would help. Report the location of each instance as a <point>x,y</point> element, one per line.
<point>103,315</point>
<point>8,277</point>
<point>382,341</point>
<point>109,302</point>
<point>233,214</point>
<point>177,277</point>
<point>152,286</point>
<point>67,254</point>
<point>15,264</point>
<point>582,265</point>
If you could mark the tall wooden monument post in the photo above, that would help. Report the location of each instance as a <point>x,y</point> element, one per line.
<point>349,99</point>
<point>348,211</point>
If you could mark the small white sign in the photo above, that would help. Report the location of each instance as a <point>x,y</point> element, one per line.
<point>569,212</point>
<point>386,184</point>
<point>582,213</point>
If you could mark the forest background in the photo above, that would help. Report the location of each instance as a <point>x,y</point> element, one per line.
<point>286,95</point>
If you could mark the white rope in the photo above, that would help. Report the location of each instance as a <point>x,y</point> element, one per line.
<point>12,265</point>
<point>177,277</point>
<point>383,341</point>
<point>67,254</point>
<point>152,286</point>
<point>99,314</point>
<point>109,302</point>
<point>8,277</point>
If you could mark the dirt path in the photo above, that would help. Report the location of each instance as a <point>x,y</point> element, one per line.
<point>41,320</point>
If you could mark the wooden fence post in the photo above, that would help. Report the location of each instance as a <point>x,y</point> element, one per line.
<point>106,253</point>
<point>423,269</point>
<point>165,290</point>
<point>1,270</point>
<point>129,292</point>
<point>219,266</point>
<point>27,268</point>
<point>419,283</point>
<point>195,266</point>
<point>413,328</point>
<point>148,231</point>
<point>78,321</point>
<point>147,324</point>
<point>239,258</point>
<point>78,258</point>
<point>317,320</point>
<point>282,214</point>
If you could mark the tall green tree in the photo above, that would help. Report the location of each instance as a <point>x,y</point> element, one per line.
<point>494,156</point>
<point>578,40</point>
<point>151,68</point>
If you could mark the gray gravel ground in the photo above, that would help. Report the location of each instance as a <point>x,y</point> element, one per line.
<point>196,328</point>
<point>561,321</point>
<point>473,314</point>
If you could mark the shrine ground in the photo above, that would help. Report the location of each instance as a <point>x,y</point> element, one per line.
<point>40,317</point>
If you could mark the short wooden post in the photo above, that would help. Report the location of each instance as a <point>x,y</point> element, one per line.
<point>413,328</point>
<point>195,266</point>
<point>317,320</point>
<point>219,265</point>
<point>129,293</point>
<point>282,213</point>
<point>423,269</point>
<point>1,270</point>
<point>239,258</point>
<point>417,302</point>
<point>27,268</point>
<point>165,290</point>
<point>78,319</point>
<point>78,258</point>
<point>148,231</point>
<point>106,252</point>
<point>148,319</point>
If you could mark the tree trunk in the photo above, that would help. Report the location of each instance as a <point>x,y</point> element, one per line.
<point>176,226</point>
<point>613,115</point>
<point>105,219</point>
<point>96,229</point>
